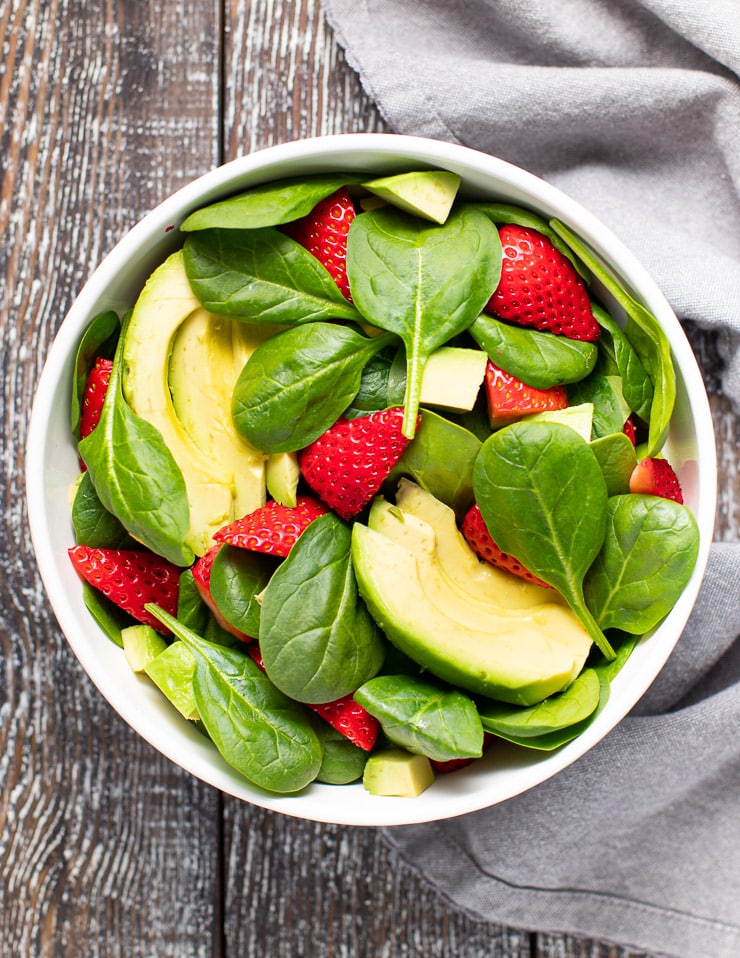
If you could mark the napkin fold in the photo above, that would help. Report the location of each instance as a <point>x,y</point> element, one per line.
<point>632,107</point>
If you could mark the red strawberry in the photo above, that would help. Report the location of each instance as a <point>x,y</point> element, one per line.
<point>510,399</point>
<point>655,477</point>
<point>345,715</point>
<point>130,578</point>
<point>540,287</point>
<point>347,465</point>
<point>94,396</point>
<point>629,430</point>
<point>202,578</point>
<point>273,528</point>
<point>480,541</point>
<point>324,234</point>
<point>453,764</point>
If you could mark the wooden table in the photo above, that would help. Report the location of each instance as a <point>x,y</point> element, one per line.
<point>106,849</point>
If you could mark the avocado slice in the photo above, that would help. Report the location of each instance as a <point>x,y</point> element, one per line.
<point>517,655</point>
<point>426,193</point>
<point>224,477</point>
<point>397,772</point>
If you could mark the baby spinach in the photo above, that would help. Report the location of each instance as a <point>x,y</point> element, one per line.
<point>99,339</point>
<point>262,276</point>
<point>342,762</point>
<point>567,708</point>
<point>269,204</point>
<point>94,526</point>
<point>617,459</point>
<point>645,334</point>
<point>237,578</point>
<point>259,731</point>
<point>540,359</point>
<point>296,384</point>
<point>424,718</point>
<point>109,616</point>
<point>424,282</point>
<point>647,558</point>
<point>191,609</point>
<point>317,639</point>
<point>543,498</point>
<point>605,393</point>
<point>135,475</point>
<point>380,387</point>
<point>617,356</point>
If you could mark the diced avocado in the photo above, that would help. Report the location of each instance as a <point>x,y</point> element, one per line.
<point>281,475</point>
<point>141,644</point>
<point>452,377</point>
<point>578,417</point>
<point>396,772</point>
<point>214,487</point>
<point>519,655</point>
<point>429,193</point>
<point>460,565</point>
<point>172,672</point>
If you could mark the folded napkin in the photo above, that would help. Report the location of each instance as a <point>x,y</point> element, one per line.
<point>632,107</point>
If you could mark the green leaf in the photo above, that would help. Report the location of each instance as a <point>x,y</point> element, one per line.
<point>99,339</point>
<point>423,718</point>
<point>259,731</point>
<point>317,639</point>
<point>647,558</point>
<point>644,333</point>
<point>107,614</point>
<point>296,384</point>
<point>543,498</point>
<point>637,386</point>
<point>191,609</point>
<point>262,276</point>
<point>94,526</point>
<point>617,459</point>
<point>425,283</point>
<point>135,475</point>
<point>540,359</point>
<point>605,393</point>
<point>237,578</point>
<point>270,204</point>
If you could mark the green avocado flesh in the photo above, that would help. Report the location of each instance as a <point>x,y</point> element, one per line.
<point>180,364</point>
<point>419,594</point>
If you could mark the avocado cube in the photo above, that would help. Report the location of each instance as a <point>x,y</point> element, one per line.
<point>141,644</point>
<point>394,771</point>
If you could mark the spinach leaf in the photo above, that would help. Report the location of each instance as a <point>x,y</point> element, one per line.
<point>540,359</point>
<point>379,387</point>
<point>646,560</point>
<point>543,498</point>
<point>107,614</point>
<point>605,393</point>
<point>270,204</point>
<point>94,526</point>
<point>440,459</point>
<point>623,359</point>
<point>135,475</point>
<point>424,282</point>
<point>262,276</point>
<point>296,384</point>
<point>99,339</point>
<point>237,578</point>
<point>191,609</point>
<point>617,459</point>
<point>317,639</point>
<point>645,334</point>
<point>560,711</point>
<point>343,761</point>
<point>424,718</point>
<point>259,731</point>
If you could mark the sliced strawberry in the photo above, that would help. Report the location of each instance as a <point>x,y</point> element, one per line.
<point>202,579</point>
<point>540,287</point>
<point>273,528</point>
<point>480,541</point>
<point>347,465</point>
<point>629,430</point>
<point>324,234</point>
<point>453,764</point>
<point>94,395</point>
<point>655,477</point>
<point>345,715</point>
<point>510,399</point>
<point>131,579</point>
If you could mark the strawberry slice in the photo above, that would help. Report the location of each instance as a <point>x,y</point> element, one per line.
<point>345,715</point>
<point>510,399</point>
<point>324,234</point>
<point>540,287</point>
<point>273,528</point>
<point>202,579</point>
<point>131,579</point>
<point>629,430</point>
<point>480,541</point>
<point>656,477</point>
<point>347,465</point>
<point>94,395</point>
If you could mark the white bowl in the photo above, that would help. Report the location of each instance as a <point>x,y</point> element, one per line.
<point>52,467</point>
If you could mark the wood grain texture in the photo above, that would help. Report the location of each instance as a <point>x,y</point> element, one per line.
<point>106,849</point>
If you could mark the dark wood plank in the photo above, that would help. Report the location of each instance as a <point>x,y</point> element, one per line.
<point>105,847</point>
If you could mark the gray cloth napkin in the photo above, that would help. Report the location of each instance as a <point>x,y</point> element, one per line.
<point>632,107</point>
